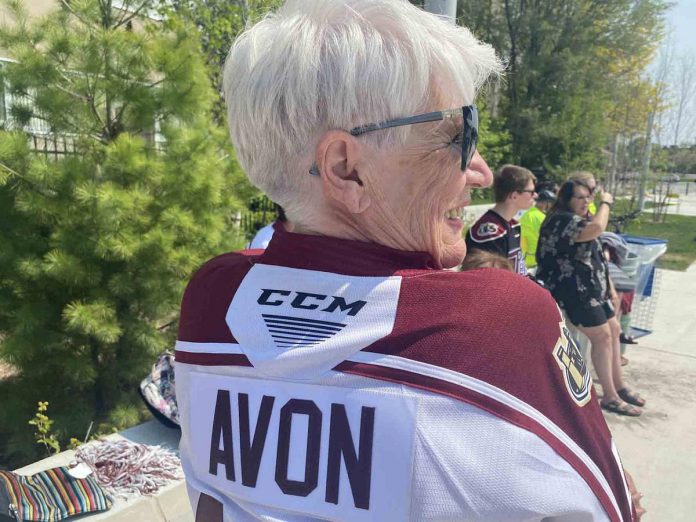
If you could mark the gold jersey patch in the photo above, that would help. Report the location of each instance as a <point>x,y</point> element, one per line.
<point>571,362</point>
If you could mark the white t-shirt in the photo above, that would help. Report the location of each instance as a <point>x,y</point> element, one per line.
<point>262,237</point>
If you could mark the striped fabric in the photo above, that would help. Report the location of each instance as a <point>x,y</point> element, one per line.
<point>52,495</point>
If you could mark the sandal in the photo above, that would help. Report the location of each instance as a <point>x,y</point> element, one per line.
<point>631,397</point>
<point>627,339</point>
<point>624,361</point>
<point>621,408</point>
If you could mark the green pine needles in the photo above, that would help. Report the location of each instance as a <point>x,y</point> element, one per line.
<point>115,185</point>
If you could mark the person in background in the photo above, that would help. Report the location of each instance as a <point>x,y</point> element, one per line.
<point>497,231</point>
<point>484,259</point>
<point>622,273</point>
<point>264,235</point>
<point>531,225</point>
<point>573,268</point>
<point>344,373</point>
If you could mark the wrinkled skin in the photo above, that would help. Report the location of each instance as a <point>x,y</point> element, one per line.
<point>400,197</point>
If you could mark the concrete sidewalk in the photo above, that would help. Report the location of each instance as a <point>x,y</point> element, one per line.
<point>658,448</point>
<point>685,204</point>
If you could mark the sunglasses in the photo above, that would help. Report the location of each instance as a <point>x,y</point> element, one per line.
<point>466,139</point>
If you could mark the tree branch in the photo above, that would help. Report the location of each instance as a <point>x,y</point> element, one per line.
<point>130,15</point>
<point>30,183</point>
<point>73,12</point>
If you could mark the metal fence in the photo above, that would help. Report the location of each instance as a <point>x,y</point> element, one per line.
<point>53,146</point>
<point>261,211</point>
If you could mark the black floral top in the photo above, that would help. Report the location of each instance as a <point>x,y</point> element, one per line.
<point>575,273</point>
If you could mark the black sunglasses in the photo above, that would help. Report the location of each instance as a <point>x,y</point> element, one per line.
<point>466,139</point>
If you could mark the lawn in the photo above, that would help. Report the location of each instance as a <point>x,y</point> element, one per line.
<point>679,231</point>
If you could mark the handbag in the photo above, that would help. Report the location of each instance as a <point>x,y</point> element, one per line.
<point>158,390</point>
<point>49,496</point>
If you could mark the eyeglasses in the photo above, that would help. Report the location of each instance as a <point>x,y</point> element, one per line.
<point>530,191</point>
<point>466,139</point>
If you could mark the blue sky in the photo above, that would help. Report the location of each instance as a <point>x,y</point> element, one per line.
<point>682,20</point>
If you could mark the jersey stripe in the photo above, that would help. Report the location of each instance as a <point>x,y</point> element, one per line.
<point>489,398</point>
<point>207,348</point>
<point>210,354</point>
<point>444,382</point>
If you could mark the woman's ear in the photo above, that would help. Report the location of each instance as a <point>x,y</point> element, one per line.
<point>338,158</point>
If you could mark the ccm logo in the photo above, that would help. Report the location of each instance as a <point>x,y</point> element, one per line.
<point>308,301</point>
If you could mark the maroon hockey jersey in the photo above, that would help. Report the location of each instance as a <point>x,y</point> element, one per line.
<point>495,234</point>
<point>326,379</point>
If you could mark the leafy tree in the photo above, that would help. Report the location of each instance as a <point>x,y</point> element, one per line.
<point>98,244</point>
<point>494,140</point>
<point>674,159</point>
<point>562,71</point>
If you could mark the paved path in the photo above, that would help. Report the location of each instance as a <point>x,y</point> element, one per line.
<point>659,448</point>
<point>686,205</point>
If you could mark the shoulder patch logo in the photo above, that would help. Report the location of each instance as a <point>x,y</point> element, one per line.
<point>487,230</point>
<point>577,379</point>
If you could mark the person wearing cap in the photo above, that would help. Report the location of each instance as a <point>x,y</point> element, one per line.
<point>531,225</point>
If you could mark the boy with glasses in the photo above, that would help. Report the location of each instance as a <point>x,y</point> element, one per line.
<point>497,231</point>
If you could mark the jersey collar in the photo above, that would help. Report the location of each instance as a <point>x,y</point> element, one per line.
<point>331,254</point>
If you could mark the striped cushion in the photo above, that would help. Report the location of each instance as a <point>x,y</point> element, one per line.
<point>51,495</point>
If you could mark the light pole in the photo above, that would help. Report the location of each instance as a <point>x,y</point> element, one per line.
<point>444,8</point>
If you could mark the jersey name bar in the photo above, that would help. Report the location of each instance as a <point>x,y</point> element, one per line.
<point>356,455</point>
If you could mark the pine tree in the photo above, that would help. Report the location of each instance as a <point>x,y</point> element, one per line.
<point>218,23</point>
<point>97,244</point>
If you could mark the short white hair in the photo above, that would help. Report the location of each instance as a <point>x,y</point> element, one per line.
<point>316,65</point>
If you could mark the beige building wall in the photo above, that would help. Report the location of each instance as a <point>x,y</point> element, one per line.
<point>35,9</point>
<point>39,8</point>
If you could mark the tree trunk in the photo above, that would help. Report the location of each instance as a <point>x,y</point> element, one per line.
<point>647,150</point>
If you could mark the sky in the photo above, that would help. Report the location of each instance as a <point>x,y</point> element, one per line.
<point>682,20</point>
<point>680,36</point>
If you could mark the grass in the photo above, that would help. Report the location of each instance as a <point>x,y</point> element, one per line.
<point>679,231</point>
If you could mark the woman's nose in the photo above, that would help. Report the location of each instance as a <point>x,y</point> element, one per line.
<point>478,174</point>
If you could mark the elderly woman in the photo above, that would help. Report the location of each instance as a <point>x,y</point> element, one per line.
<point>573,268</point>
<point>342,374</point>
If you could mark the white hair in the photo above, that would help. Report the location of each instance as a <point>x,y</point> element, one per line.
<point>316,65</point>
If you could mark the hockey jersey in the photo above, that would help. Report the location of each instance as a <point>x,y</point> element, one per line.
<point>495,234</point>
<point>327,379</point>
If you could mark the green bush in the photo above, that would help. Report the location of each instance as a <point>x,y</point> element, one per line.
<point>97,244</point>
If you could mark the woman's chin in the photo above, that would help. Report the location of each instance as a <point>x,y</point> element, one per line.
<point>453,255</point>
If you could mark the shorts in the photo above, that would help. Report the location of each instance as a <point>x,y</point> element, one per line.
<point>627,301</point>
<point>590,316</point>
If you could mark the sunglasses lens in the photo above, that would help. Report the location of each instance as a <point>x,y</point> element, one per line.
<point>469,135</point>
